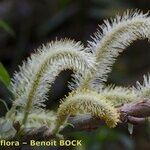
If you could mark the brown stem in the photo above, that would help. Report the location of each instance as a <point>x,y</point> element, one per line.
<point>135,113</point>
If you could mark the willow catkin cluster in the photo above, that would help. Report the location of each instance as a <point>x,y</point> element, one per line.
<point>90,65</point>
<point>106,45</point>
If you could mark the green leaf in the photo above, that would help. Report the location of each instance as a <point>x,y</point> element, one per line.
<point>5,26</point>
<point>4,76</point>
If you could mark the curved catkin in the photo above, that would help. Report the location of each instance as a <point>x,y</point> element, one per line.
<point>31,84</point>
<point>112,38</point>
<point>143,90</point>
<point>118,95</point>
<point>85,101</point>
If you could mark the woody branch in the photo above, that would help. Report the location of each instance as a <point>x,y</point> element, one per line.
<point>134,113</point>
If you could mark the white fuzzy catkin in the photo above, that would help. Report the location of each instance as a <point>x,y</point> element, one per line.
<point>86,101</point>
<point>112,38</point>
<point>32,82</point>
<point>118,95</point>
<point>143,90</point>
<point>37,118</point>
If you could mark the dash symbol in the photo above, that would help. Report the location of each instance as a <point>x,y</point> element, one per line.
<point>24,143</point>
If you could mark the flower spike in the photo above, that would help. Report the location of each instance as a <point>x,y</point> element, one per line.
<point>31,84</point>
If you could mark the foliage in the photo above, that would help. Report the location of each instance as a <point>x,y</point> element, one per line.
<point>4,25</point>
<point>4,76</point>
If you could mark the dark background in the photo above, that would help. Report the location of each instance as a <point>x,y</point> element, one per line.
<point>26,24</point>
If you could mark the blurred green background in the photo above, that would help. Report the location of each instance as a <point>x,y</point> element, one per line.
<point>26,24</point>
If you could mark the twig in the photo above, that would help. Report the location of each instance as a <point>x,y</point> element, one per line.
<point>135,113</point>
